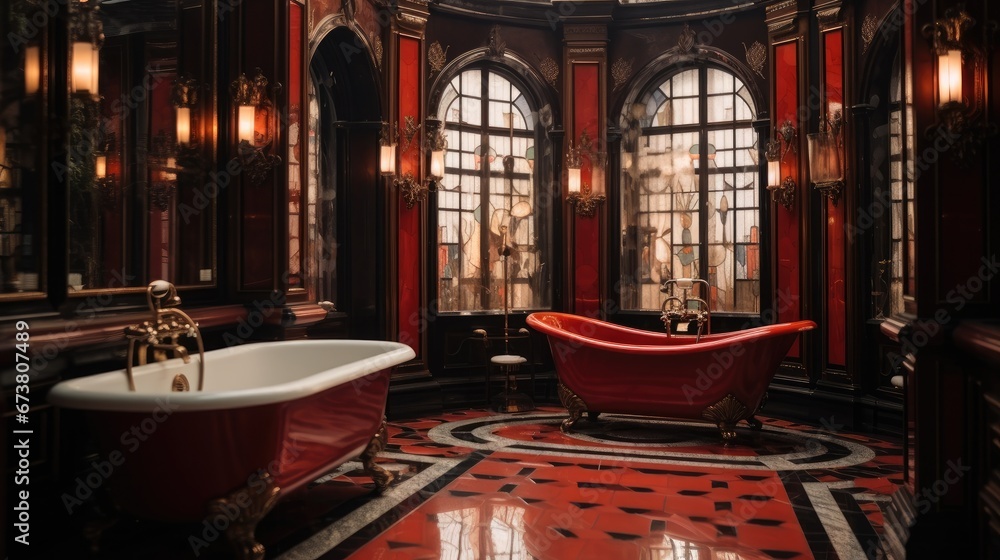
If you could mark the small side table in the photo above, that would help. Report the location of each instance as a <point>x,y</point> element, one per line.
<point>510,400</point>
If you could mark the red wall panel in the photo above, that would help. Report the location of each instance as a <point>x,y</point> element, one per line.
<point>586,242</point>
<point>787,286</point>
<point>836,307</point>
<point>409,219</point>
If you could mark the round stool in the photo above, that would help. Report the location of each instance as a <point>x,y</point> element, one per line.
<point>510,400</point>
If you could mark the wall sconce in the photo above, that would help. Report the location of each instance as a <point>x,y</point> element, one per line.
<point>163,171</point>
<point>184,97</point>
<point>257,123</point>
<point>87,36</point>
<point>106,184</point>
<point>387,151</point>
<point>438,145</point>
<point>32,69</point>
<point>826,171</point>
<point>961,111</point>
<point>584,197</point>
<point>782,190</point>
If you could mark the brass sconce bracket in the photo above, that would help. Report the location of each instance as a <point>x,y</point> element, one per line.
<point>831,190</point>
<point>775,150</point>
<point>413,190</point>
<point>106,190</point>
<point>255,159</point>
<point>784,193</point>
<point>585,202</point>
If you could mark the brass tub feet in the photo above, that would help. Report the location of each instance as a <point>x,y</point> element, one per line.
<point>726,413</point>
<point>573,403</point>
<point>381,477</point>
<point>242,510</point>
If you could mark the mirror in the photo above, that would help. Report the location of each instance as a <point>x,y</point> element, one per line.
<point>140,147</point>
<point>22,173</point>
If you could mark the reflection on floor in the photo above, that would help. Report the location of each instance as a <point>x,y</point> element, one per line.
<point>482,485</point>
<point>477,484</point>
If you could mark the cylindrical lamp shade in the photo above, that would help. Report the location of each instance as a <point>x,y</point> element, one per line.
<point>245,122</point>
<point>101,166</point>
<point>950,76</point>
<point>84,72</point>
<point>573,180</point>
<point>32,69</point>
<point>824,158</point>
<point>183,125</point>
<point>773,173</point>
<point>437,164</point>
<point>387,159</point>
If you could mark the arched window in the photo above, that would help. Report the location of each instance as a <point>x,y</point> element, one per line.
<point>690,190</point>
<point>489,197</point>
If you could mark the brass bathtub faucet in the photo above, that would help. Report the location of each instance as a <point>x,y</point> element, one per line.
<point>676,309</point>
<point>161,333</point>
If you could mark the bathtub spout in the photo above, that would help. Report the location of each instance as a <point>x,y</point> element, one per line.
<point>677,308</point>
<point>161,333</point>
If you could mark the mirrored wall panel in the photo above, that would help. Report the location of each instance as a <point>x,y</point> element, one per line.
<point>22,149</point>
<point>140,204</point>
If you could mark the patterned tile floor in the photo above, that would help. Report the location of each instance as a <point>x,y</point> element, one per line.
<point>478,485</point>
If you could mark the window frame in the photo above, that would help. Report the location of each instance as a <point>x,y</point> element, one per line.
<point>702,129</point>
<point>543,225</point>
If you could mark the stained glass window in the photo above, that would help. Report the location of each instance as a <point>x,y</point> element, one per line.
<point>690,191</point>
<point>485,205</point>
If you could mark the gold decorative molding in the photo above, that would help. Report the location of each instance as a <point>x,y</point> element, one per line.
<point>828,16</point>
<point>726,413</point>
<point>686,40</point>
<point>620,71</point>
<point>586,50</point>
<point>573,403</point>
<point>585,32</point>
<point>381,477</point>
<point>496,47</point>
<point>377,49</point>
<point>437,57</point>
<point>778,6</point>
<point>251,505</point>
<point>549,70</point>
<point>780,26</point>
<point>586,203</point>
<point>868,28</point>
<point>410,129</point>
<point>413,191</point>
<point>756,57</point>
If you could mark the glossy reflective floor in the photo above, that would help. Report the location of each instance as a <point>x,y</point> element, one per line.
<point>477,485</point>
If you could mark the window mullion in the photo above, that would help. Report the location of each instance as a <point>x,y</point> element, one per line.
<point>484,190</point>
<point>703,176</point>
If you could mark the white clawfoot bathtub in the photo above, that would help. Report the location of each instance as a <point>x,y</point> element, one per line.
<point>272,417</point>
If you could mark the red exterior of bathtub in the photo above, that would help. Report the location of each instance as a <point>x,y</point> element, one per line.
<point>622,370</point>
<point>173,463</point>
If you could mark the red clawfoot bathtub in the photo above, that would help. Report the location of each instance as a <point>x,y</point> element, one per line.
<point>603,367</point>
